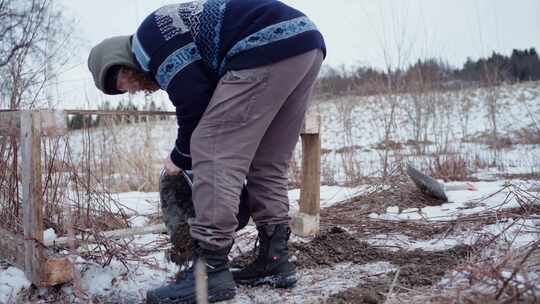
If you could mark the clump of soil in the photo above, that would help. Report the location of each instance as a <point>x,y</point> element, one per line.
<point>182,250</point>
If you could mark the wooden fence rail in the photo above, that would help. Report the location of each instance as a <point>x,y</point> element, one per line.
<point>29,252</point>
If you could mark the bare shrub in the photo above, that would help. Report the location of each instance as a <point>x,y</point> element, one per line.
<point>464,113</point>
<point>452,167</point>
<point>295,169</point>
<point>385,125</point>
<point>328,169</point>
<point>352,167</point>
<point>528,136</point>
<point>389,145</point>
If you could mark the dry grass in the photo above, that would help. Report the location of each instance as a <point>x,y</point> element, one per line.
<point>453,167</point>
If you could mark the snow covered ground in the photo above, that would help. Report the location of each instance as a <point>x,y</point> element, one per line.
<point>425,128</point>
<point>12,280</point>
<point>352,130</point>
<point>115,281</point>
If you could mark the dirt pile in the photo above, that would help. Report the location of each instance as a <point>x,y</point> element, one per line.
<point>332,247</point>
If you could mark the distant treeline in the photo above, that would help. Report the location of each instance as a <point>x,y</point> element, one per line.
<point>433,74</point>
<point>424,75</point>
<point>80,121</point>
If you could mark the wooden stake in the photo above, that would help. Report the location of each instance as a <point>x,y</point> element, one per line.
<point>32,196</point>
<point>306,223</point>
<point>311,174</point>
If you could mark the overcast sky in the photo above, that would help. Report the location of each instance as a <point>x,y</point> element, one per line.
<point>376,33</point>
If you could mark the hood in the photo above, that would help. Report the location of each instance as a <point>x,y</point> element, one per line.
<point>115,51</point>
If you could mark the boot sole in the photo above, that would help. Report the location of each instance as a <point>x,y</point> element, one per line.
<point>213,296</point>
<point>276,281</point>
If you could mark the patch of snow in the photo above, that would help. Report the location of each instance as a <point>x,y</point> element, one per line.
<point>488,196</point>
<point>315,284</point>
<point>137,203</point>
<point>330,195</point>
<point>462,280</point>
<point>12,280</point>
<point>400,241</point>
<point>49,235</point>
<point>515,233</point>
<point>138,221</point>
<point>117,281</point>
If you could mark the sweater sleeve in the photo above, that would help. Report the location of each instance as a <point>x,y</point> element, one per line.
<point>190,91</point>
<point>166,51</point>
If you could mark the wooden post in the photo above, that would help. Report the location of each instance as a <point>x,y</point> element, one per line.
<point>306,222</point>
<point>32,195</point>
<point>55,270</point>
<point>40,265</point>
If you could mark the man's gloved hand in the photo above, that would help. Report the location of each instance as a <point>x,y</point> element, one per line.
<point>170,168</point>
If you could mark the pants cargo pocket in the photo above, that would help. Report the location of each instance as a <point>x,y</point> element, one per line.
<point>235,94</point>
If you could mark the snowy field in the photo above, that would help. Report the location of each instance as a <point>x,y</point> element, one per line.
<point>423,129</point>
<point>500,204</point>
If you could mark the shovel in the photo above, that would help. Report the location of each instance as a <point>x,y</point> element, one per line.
<point>427,184</point>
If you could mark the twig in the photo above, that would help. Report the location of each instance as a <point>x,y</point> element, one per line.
<point>391,290</point>
<point>516,269</point>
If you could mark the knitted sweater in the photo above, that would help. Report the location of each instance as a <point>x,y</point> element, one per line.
<point>188,47</point>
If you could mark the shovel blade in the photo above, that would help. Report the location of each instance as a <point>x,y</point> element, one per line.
<point>426,184</point>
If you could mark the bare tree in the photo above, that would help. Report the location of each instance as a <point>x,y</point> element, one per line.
<point>33,39</point>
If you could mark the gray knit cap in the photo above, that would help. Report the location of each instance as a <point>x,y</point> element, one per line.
<point>115,51</point>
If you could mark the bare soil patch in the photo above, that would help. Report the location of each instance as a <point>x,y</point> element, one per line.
<point>335,245</point>
<point>372,292</point>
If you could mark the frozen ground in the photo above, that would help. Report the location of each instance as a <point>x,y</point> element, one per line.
<point>116,283</point>
<point>351,134</point>
<point>12,280</point>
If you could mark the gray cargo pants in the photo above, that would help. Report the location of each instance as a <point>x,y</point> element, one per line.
<point>249,131</point>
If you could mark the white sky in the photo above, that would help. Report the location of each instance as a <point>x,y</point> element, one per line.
<point>358,32</point>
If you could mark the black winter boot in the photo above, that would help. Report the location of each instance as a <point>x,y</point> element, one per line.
<point>272,266</point>
<point>221,285</point>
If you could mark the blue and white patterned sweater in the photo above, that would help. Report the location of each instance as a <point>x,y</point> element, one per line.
<point>187,47</point>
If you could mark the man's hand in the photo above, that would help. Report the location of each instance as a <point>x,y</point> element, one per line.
<point>170,167</point>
